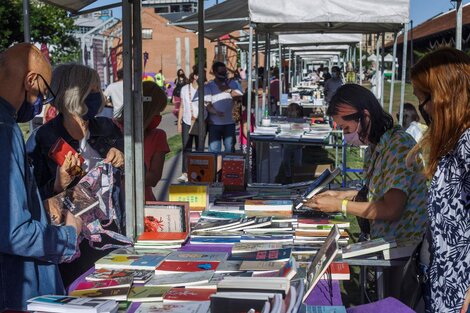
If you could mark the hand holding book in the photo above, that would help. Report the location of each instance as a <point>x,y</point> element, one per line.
<point>67,171</point>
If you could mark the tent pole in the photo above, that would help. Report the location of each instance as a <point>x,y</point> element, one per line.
<point>403,73</point>
<point>268,73</point>
<point>392,86</point>
<point>248,106</point>
<point>294,79</point>
<point>257,79</point>
<point>458,29</point>
<point>377,68</point>
<point>382,72</point>
<point>280,76</point>
<point>138,117</point>
<point>265,72</point>
<point>289,73</point>
<point>202,75</point>
<point>360,62</point>
<point>128,120</point>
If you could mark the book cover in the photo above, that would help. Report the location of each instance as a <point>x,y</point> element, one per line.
<point>113,293</point>
<point>126,261</point>
<point>322,309</point>
<point>121,282</point>
<point>196,195</point>
<point>184,266</point>
<point>233,170</point>
<point>185,294</point>
<point>165,217</point>
<point>263,255</point>
<point>197,256</point>
<point>261,266</point>
<point>119,275</point>
<point>367,247</point>
<point>404,249</point>
<point>201,167</point>
<point>271,205</point>
<point>322,261</point>
<point>147,293</point>
<point>243,247</point>
<point>176,307</point>
<point>181,279</point>
<point>163,238</point>
<point>339,271</point>
<point>211,225</point>
<point>229,266</point>
<point>64,304</point>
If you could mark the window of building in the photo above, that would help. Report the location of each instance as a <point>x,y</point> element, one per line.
<point>188,8</point>
<point>147,33</point>
<point>175,8</point>
<point>162,9</point>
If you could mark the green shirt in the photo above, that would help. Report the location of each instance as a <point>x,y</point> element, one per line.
<point>387,169</point>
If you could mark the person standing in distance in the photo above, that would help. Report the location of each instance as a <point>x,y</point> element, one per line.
<point>30,248</point>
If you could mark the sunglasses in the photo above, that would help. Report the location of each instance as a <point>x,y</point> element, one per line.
<point>46,99</point>
<point>427,118</point>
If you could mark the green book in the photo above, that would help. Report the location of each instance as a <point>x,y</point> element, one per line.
<point>147,293</point>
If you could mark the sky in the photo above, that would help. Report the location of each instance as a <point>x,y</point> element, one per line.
<point>420,10</point>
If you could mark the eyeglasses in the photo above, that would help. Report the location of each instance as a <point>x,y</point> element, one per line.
<point>50,94</point>
<point>427,118</point>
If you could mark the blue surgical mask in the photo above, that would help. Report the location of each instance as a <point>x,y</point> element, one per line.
<point>93,102</point>
<point>29,110</point>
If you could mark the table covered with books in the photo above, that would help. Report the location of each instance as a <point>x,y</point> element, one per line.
<point>244,255</point>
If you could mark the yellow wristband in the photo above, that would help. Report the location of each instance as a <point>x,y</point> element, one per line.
<point>344,206</point>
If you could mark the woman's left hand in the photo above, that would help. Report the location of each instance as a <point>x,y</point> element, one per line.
<point>466,303</point>
<point>327,204</point>
<point>115,157</point>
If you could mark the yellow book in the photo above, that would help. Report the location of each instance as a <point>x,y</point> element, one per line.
<point>196,195</point>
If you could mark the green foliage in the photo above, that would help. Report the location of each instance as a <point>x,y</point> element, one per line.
<point>49,24</point>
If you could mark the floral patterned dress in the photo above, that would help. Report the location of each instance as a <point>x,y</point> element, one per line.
<point>449,221</point>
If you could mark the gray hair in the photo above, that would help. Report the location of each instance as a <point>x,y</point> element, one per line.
<point>72,83</point>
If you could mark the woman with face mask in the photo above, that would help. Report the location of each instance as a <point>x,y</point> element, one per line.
<point>78,100</point>
<point>396,192</point>
<point>441,82</point>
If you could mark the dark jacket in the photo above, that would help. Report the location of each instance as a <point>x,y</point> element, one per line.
<point>104,135</point>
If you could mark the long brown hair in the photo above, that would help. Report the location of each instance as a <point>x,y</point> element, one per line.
<point>444,75</point>
<point>154,101</point>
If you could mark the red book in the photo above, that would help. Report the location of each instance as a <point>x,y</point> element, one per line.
<point>185,266</point>
<point>233,170</point>
<point>104,283</point>
<point>59,150</point>
<point>339,271</point>
<point>193,294</point>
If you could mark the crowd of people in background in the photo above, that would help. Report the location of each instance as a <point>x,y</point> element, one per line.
<point>400,162</point>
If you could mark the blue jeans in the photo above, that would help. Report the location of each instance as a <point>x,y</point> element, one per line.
<point>217,133</point>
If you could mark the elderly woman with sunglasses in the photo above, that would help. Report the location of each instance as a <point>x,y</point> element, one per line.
<point>78,98</point>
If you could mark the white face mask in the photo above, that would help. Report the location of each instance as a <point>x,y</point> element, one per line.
<point>353,137</point>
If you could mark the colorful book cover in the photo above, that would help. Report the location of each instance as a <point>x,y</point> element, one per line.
<point>184,294</point>
<point>181,279</point>
<point>339,271</point>
<point>263,255</point>
<point>184,266</point>
<point>127,281</point>
<point>120,261</point>
<point>197,256</point>
<point>196,195</point>
<point>176,307</point>
<point>113,293</point>
<point>147,293</point>
<point>233,170</point>
<point>261,266</point>
<point>110,274</point>
<point>201,167</point>
<point>243,247</point>
<point>165,217</point>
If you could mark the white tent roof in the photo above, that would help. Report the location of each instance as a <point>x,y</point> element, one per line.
<point>318,53</point>
<point>389,58</point>
<point>329,16</point>
<point>319,39</point>
<point>70,5</point>
<point>372,57</point>
<point>321,48</point>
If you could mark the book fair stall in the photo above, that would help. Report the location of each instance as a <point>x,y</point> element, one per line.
<point>224,242</point>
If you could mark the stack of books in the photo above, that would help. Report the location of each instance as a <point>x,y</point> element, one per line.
<point>65,304</point>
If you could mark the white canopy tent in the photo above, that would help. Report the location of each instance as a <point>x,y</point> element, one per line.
<point>319,39</point>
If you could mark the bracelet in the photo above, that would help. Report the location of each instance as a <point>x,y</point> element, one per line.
<point>344,206</point>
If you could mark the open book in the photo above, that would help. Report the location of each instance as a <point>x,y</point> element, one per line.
<point>317,186</point>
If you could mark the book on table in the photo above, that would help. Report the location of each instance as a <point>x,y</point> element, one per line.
<point>322,261</point>
<point>196,195</point>
<point>132,262</point>
<point>403,249</point>
<point>109,293</point>
<point>236,302</point>
<point>367,247</point>
<point>254,284</point>
<point>197,256</point>
<point>233,170</point>
<point>339,271</point>
<point>202,167</point>
<point>274,207</point>
<point>188,294</point>
<point>181,279</point>
<point>228,266</point>
<point>175,307</point>
<point>147,293</point>
<point>67,304</point>
<point>263,255</point>
<point>244,247</point>
<point>137,276</point>
<point>106,283</point>
<point>167,267</point>
<point>165,223</point>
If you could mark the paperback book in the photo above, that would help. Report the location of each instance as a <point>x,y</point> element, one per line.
<point>147,293</point>
<point>132,262</point>
<point>367,247</point>
<point>66,304</point>
<point>181,279</point>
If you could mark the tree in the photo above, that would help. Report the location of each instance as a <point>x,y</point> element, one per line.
<point>49,24</point>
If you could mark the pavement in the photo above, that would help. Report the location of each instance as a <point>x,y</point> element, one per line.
<point>172,168</point>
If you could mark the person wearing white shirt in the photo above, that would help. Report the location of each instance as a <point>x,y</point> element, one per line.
<point>187,114</point>
<point>114,94</point>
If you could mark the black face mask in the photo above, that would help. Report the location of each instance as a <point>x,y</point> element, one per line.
<point>426,117</point>
<point>221,76</point>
